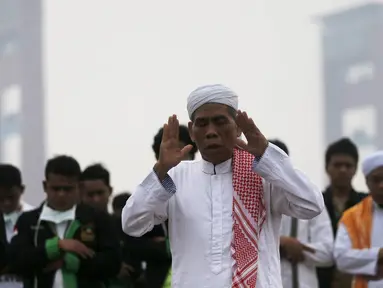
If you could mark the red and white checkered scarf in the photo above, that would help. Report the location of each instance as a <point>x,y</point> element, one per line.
<point>249,214</point>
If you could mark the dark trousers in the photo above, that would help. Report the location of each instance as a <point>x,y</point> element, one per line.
<point>156,273</point>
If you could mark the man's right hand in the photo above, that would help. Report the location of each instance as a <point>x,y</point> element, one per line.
<point>293,249</point>
<point>170,152</point>
<point>125,271</point>
<point>75,246</point>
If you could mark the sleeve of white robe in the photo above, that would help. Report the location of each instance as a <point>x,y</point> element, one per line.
<point>321,240</point>
<point>147,206</point>
<point>354,261</point>
<point>292,193</point>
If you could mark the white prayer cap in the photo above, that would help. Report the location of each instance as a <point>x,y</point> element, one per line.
<point>372,162</point>
<point>211,94</point>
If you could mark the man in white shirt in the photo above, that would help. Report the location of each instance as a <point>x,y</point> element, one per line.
<point>359,241</point>
<point>305,245</point>
<point>224,211</point>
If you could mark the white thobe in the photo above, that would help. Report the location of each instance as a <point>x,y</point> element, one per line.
<point>200,217</point>
<point>360,261</point>
<point>317,234</point>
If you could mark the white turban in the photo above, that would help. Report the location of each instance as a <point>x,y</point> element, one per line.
<point>372,162</point>
<point>211,94</point>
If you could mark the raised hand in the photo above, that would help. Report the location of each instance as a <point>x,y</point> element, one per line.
<point>256,142</point>
<point>170,152</point>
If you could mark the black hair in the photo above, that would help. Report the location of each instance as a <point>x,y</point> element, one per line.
<point>343,146</point>
<point>96,172</point>
<point>10,176</point>
<point>183,136</point>
<point>120,200</point>
<point>280,145</point>
<point>63,165</point>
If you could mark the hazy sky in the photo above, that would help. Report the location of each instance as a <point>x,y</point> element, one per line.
<point>115,71</point>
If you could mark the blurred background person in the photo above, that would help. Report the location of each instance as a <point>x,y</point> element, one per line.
<point>131,247</point>
<point>95,191</point>
<point>11,206</point>
<point>63,243</point>
<point>359,240</point>
<point>304,245</point>
<point>341,162</point>
<point>95,188</point>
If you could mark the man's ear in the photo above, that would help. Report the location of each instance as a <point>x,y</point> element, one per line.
<point>22,188</point>
<point>190,128</point>
<point>45,186</point>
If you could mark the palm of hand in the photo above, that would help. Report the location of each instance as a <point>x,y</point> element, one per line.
<point>170,152</point>
<point>256,141</point>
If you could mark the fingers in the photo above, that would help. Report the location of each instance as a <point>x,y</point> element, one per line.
<point>176,127</point>
<point>308,249</point>
<point>85,252</point>
<point>172,129</point>
<point>165,133</point>
<point>186,150</point>
<point>127,267</point>
<point>89,253</point>
<point>241,144</point>
<point>245,123</point>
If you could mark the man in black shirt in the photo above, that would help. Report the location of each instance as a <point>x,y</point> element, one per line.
<point>341,161</point>
<point>63,242</point>
<point>95,191</point>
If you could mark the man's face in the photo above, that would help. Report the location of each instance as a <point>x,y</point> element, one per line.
<point>95,193</point>
<point>62,192</point>
<point>374,183</point>
<point>215,132</point>
<point>10,198</point>
<point>341,169</point>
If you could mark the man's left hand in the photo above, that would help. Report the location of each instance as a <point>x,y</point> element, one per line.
<point>256,142</point>
<point>125,271</point>
<point>54,266</point>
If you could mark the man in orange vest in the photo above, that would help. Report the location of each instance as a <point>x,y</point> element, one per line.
<point>359,241</point>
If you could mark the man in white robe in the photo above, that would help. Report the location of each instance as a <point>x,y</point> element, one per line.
<point>206,204</point>
<point>305,245</point>
<point>359,241</point>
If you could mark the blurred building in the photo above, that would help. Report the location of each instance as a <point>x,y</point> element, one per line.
<point>353,74</point>
<point>21,93</point>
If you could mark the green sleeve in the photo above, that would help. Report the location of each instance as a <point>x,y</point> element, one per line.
<point>168,281</point>
<point>52,248</point>
<point>72,262</point>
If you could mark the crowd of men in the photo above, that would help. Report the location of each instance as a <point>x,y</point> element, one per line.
<point>71,240</point>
